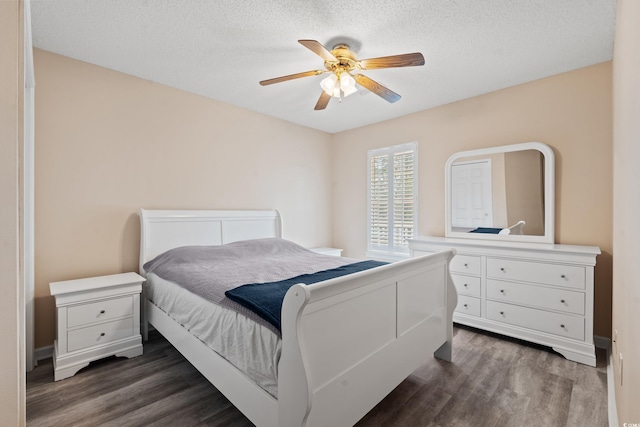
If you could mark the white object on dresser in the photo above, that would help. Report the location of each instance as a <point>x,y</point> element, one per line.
<point>541,293</point>
<point>327,251</point>
<point>96,317</point>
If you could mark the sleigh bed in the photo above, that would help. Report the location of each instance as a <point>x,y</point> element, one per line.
<point>345,342</point>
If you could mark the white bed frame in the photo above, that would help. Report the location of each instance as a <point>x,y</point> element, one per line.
<point>346,342</point>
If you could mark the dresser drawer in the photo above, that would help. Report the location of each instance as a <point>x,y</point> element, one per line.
<point>468,305</point>
<point>466,285</point>
<point>468,264</point>
<point>100,311</point>
<point>569,276</point>
<point>99,334</point>
<point>554,323</point>
<point>537,296</point>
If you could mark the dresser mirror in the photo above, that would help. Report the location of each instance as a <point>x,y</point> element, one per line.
<point>501,193</point>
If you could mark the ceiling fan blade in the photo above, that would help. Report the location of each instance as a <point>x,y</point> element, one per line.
<point>376,88</point>
<point>322,101</point>
<point>290,77</point>
<point>315,47</point>
<point>405,60</point>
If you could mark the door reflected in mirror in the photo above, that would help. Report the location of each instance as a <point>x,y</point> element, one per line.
<point>501,191</point>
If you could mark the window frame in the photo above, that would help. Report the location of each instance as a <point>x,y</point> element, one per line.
<point>391,252</point>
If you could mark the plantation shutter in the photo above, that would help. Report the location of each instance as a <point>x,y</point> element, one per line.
<point>403,198</point>
<point>392,198</point>
<point>379,206</point>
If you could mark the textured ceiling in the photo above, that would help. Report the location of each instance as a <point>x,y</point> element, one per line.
<point>221,49</point>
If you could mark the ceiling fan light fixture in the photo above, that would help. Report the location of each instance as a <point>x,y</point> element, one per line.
<point>328,84</point>
<point>347,84</point>
<point>349,91</point>
<point>339,85</point>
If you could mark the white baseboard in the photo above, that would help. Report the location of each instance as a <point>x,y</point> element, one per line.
<point>42,353</point>
<point>611,392</point>
<point>602,342</point>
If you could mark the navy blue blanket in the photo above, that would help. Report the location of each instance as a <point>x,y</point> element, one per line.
<point>486,230</point>
<point>265,299</point>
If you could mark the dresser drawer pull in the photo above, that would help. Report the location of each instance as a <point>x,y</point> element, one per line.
<point>102,334</point>
<point>502,291</point>
<point>101,311</point>
<point>562,301</point>
<point>562,326</point>
<point>466,265</point>
<point>466,285</point>
<point>502,313</point>
<point>562,276</point>
<point>466,305</point>
<point>501,268</point>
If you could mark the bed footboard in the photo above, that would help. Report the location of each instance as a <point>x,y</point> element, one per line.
<point>349,341</point>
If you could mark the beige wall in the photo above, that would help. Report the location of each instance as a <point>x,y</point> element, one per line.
<point>108,144</point>
<point>571,112</point>
<point>12,364</point>
<point>626,208</point>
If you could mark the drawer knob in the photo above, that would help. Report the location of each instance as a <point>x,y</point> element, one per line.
<point>101,311</point>
<point>562,326</point>
<point>501,268</point>
<point>563,276</point>
<point>466,285</point>
<point>466,306</point>
<point>101,334</point>
<point>466,265</point>
<point>502,313</point>
<point>562,301</point>
<point>502,291</point>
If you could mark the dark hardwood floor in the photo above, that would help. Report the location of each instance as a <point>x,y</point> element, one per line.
<point>492,381</point>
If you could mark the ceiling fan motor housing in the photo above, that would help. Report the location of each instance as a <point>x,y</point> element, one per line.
<point>346,59</point>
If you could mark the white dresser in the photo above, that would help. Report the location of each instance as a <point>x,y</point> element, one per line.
<point>96,317</point>
<point>541,293</point>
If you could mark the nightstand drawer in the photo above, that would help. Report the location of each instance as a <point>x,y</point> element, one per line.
<point>545,321</point>
<point>466,285</point>
<point>100,311</point>
<point>99,334</point>
<point>569,276</point>
<point>468,264</point>
<point>536,296</point>
<point>468,305</point>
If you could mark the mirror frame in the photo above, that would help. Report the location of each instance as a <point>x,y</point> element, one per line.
<point>549,193</point>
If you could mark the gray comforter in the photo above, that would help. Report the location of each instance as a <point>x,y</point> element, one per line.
<point>209,271</point>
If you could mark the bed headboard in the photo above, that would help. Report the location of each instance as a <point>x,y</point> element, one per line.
<point>161,230</point>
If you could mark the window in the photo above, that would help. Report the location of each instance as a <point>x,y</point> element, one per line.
<point>392,199</point>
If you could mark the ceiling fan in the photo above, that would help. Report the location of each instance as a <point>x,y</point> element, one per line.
<point>340,62</point>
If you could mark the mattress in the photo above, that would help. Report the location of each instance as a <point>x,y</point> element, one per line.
<point>189,284</point>
<point>251,347</point>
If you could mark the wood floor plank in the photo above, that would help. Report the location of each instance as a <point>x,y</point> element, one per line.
<point>493,381</point>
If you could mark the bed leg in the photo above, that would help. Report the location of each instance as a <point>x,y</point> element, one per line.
<point>445,351</point>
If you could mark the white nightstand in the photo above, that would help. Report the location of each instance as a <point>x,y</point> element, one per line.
<point>328,251</point>
<point>96,317</point>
